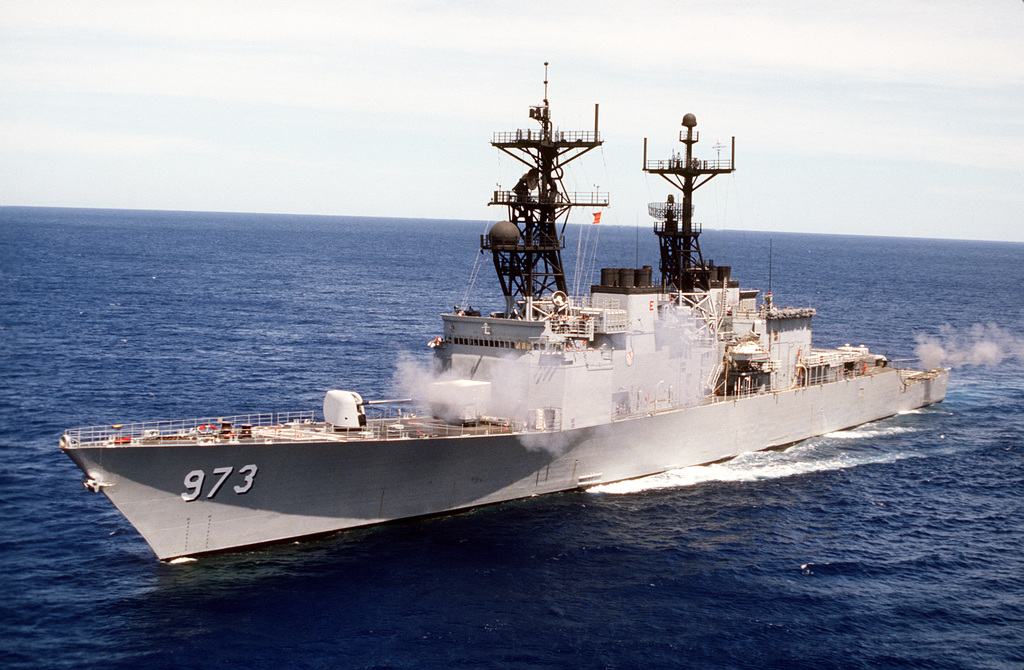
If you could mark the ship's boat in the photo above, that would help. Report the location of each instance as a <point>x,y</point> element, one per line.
<point>553,391</point>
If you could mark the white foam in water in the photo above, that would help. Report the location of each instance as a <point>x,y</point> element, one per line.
<point>800,459</point>
<point>181,559</point>
<point>858,433</point>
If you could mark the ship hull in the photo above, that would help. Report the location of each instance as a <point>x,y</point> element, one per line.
<point>273,492</point>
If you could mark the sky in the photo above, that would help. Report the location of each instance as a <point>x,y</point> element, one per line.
<point>900,118</point>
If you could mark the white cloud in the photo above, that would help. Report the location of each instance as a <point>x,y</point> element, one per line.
<point>412,89</point>
<point>923,42</point>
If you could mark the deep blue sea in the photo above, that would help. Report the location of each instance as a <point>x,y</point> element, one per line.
<point>899,544</point>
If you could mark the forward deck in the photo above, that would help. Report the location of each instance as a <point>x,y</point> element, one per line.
<point>269,428</point>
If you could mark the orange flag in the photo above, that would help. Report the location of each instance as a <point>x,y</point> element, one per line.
<point>597,217</point>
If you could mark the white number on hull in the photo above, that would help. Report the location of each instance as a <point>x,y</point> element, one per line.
<point>223,472</point>
<point>194,481</point>
<point>250,472</point>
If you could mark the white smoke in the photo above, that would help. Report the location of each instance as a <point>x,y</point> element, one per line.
<point>528,393</point>
<point>979,345</point>
<point>504,398</point>
<point>413,379</point>
<point>556,443</point>
<point>679,330</point>
<point>419,380</point>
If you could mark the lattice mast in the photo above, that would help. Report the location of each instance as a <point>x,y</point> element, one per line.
<point>527,249</point>
<point>682,264</point>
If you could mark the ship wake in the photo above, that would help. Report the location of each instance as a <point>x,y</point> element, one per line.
<point>820,454</point>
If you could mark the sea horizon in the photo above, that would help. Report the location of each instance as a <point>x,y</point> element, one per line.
<point>606,224</point>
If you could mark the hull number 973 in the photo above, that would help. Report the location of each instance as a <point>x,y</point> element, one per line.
<point>194,481</point>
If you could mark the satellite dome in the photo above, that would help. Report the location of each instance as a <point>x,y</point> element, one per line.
<point>689,120</point>
<point>504,233</point>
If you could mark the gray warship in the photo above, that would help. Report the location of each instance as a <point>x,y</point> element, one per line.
<point>555,391</point>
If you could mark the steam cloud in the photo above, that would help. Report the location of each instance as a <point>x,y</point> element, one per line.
<point>979,345</point>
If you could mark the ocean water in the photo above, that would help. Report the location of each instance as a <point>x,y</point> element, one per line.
<point>899,544</point>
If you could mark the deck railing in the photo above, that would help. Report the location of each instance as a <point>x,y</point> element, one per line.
<point>184,428</point>
<point>536,135</point>
<point>723,164</point>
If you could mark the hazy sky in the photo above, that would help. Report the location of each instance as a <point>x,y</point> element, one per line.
<point>894,117</point>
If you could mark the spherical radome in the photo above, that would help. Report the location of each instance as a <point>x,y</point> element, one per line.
<point>504,232</point>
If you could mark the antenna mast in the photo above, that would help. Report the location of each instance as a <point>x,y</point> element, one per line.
<point>527,249</point>
<point>682,264</point>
